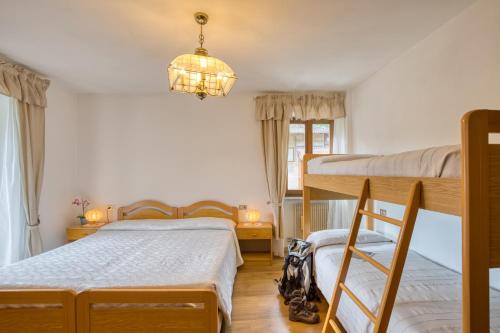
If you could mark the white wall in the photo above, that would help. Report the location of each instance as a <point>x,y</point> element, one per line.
<point>116,149</point>
<point>171,147</point>
<point>60,181</point>
<point>417,101</point>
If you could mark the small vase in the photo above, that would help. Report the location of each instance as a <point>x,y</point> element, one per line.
<point>83,221</point>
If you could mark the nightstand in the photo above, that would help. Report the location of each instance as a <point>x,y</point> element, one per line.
<point>77,231</point>
<point>256,231</point>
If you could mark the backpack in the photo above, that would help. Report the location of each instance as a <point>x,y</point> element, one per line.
<point>297,271</point>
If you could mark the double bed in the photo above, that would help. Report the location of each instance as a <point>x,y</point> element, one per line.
<point>159,268</point>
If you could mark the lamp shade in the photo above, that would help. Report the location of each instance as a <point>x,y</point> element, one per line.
<point>93,215</point>
<point>253,215</point>
<point>201,75</point>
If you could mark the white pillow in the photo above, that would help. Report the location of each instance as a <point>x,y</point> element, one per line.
<point>201,223</point>
<point>339,237</point>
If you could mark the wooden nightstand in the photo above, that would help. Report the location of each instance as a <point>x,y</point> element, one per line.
<point>77,231</point>
<point>256,231</point>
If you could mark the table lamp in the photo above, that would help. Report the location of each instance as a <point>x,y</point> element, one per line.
<point>253,215</point>
<point>93,215</point>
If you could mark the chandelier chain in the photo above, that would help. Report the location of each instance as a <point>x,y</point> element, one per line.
<point>201,37</point>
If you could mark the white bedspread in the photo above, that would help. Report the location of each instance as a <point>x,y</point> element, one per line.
<point>432,162</point>
<point>428,300</point>
<point>201,252</point>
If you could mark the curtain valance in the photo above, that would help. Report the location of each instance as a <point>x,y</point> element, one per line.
<point>301,106</point>
<point>22,84</point>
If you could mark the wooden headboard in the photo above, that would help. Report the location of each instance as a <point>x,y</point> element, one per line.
<point>209,208</point>
<point>152,209</point>
<point>147,209</point>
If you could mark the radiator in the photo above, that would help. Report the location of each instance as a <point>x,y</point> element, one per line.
<point>319,217</point>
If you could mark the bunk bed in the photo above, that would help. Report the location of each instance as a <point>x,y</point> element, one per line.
<point>159,269</point>
<point>471,192</point>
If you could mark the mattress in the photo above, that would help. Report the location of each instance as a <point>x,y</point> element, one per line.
<point>187,253</point>
<point>432,162</point>
<point>428,299</point>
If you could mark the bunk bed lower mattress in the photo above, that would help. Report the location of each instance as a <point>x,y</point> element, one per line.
<point>429,295</point>
<point>432,162</point>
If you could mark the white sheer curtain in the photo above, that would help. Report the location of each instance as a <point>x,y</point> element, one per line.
<point>12,214</point>
<point>340,212</point>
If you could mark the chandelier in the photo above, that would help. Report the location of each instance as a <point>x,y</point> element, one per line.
<point>199,73</point>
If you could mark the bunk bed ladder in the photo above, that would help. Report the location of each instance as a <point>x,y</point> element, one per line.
<point>380,320</point>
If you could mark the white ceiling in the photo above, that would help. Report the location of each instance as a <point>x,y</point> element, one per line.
<point>124,46</point>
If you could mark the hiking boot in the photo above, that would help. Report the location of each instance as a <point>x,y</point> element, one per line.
<point>294,294</point>
<point>302,302</point>
<point>299,299</point>
<point>300,314</point>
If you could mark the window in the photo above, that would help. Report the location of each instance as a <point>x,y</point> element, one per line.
<point>12,217</point>
<point>313,136</point>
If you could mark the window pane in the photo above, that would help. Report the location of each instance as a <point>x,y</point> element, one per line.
<point>321,138</point>
<point>296,150</point>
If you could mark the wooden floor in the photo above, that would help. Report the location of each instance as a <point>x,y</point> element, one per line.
<point>257,305</point>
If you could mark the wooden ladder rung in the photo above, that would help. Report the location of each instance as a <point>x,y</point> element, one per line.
<point>381,217</point>
<point>335,327</point>
<point>369,259</point>
<point>356,300</point>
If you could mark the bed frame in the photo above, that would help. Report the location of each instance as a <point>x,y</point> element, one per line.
<point>120,310</point>
<point>475,197</point>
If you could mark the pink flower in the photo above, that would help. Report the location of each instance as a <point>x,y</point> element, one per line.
<point>81,202</point>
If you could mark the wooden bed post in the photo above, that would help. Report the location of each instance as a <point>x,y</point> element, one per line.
<point>475,223</point>
<point>306,199</point>
<point>306,212</point>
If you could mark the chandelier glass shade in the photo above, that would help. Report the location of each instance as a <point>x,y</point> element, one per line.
<point>199,73</point>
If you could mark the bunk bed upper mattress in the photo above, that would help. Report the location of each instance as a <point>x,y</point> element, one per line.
<point>428,299</point>
<point>186,253</point>
<point>432,162</point>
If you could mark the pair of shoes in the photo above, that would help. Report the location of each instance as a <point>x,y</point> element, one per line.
<point>302,310</point>
<point>297,312</point>
<point>299,296</point>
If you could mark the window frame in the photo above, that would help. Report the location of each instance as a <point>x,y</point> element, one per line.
<point>309,145</point>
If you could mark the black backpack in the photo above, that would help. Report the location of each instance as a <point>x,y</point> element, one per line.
<point>297,271</point>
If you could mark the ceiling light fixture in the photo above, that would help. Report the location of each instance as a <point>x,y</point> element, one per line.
<point>199,73</point>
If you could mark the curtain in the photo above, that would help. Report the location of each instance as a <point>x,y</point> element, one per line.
<point>12,214</point>
<point>274,112</point>
<point>29,91</point>
<point>340,212</point>
<point>301,106</point>
<point>275,146</point>
<point>22,84</point>
<point>32,130</point>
